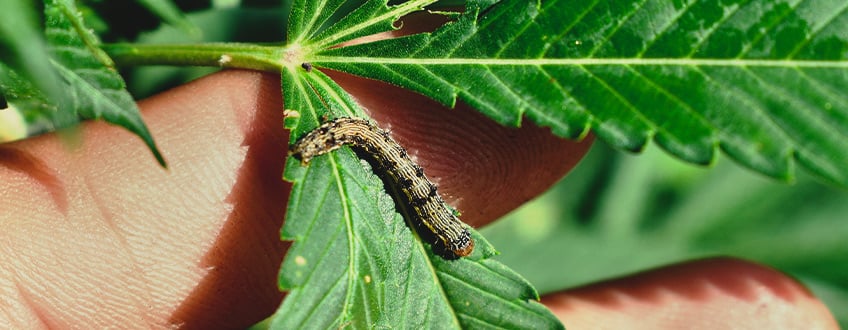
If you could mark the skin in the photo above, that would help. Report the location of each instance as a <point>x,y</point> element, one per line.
<point>96,234</point>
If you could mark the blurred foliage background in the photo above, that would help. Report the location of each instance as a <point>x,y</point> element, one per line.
<point>618,213</point>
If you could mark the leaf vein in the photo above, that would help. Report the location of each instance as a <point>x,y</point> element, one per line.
<point>815,31</point>
<point>621,98</point>
<point>484,292</point>
<point>718,24</point>
<point>313,311</point>
<point>833,94</point>
<point>517,36</point>
<point>578,19</point>
<point>744,51</point>
<point>806,107</point>
<point>581,106</point>
<point>683,104</point>
<point>351,237</point>
<point>625,18</point>
<point>751,103</point>
<point>664,29</point>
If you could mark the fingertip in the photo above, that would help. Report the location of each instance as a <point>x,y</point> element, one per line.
<point>703,294</point>
<point>482,168</point>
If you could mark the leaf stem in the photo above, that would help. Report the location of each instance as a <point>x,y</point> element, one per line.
<point>272,58</point>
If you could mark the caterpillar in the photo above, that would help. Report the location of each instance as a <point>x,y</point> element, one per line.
<point>433,219</point>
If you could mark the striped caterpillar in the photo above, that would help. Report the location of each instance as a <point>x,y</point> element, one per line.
<point>433,219</point>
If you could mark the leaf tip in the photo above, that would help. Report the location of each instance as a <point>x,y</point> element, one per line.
<point>148,140</point>
<point>160,159</point>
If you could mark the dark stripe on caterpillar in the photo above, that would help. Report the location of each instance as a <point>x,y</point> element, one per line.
<point>432,218</point>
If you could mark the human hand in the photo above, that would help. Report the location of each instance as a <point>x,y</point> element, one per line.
<point>99,235</point>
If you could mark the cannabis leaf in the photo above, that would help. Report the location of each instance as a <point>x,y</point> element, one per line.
<point>355,262</point>
<point>96,89</point>
<point>763,81</point>
<point>25,72</point>
<point>760,80</point>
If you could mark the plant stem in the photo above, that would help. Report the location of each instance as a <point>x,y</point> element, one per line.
<point>224,55</point>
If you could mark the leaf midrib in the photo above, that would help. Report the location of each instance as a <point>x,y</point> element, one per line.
<point>692,62</point>
<point>348,221</point>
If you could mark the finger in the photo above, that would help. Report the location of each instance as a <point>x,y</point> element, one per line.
<point>154,244</point>
<point>482,169</point>
<point>129,229</point>
<point>101,235</point>
<point>720,293</point>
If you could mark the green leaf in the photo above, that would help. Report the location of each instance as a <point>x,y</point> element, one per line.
<point>371,17</point>
<point>22,45</point>
<point>27,77</point>
<point>96,89</point>
<point>355,263</point>
<point>307,17</point>
<point>485,293</point>
<point>762,81</point>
